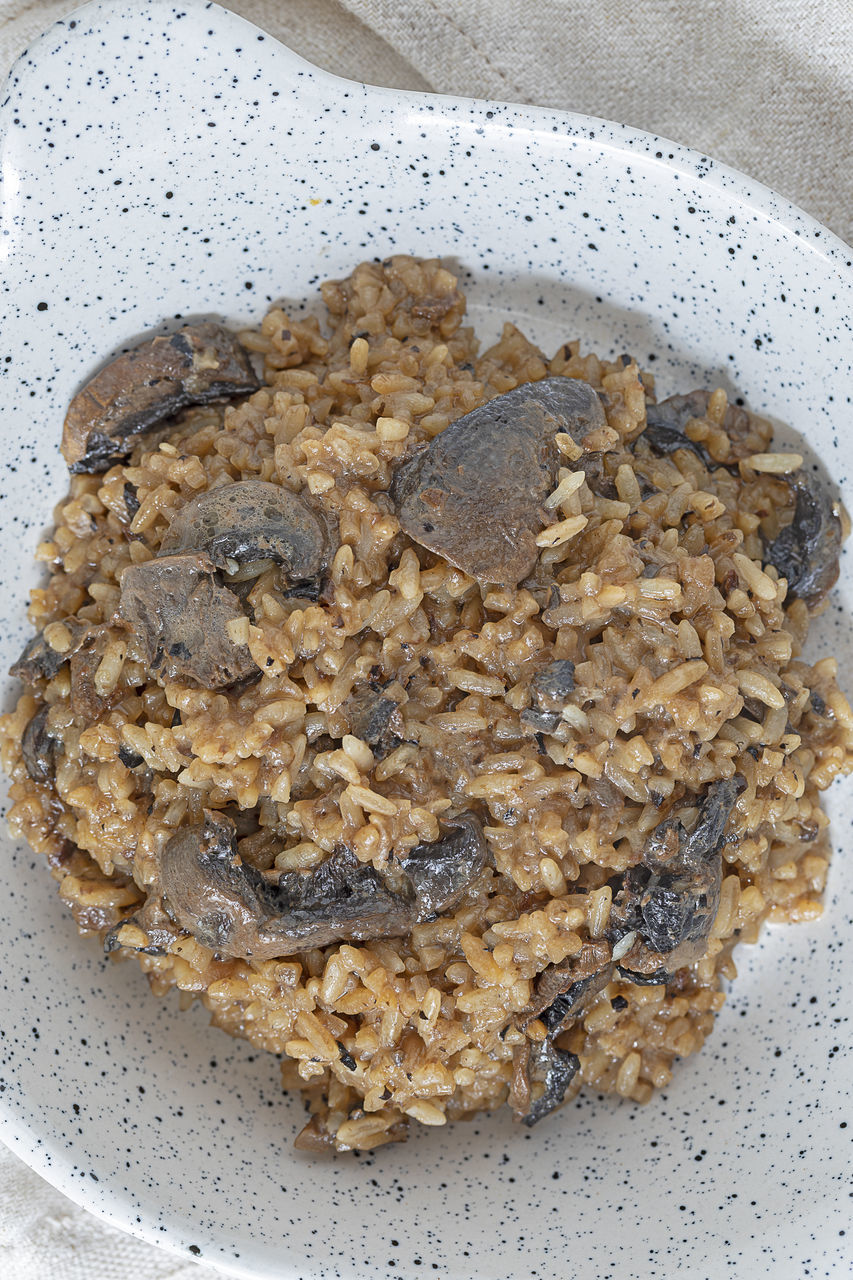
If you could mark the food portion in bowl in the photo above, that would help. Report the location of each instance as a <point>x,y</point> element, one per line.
<point>437,718</point>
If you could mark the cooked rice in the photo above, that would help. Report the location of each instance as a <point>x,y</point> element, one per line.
<point>426,1027</point>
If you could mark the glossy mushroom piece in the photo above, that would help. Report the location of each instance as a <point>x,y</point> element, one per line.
<point>139,389</point>
<point>39,661</point>
<point>249,521</point>
<point>662,916</point>
<point>542,1072</point>
<point>806,551</point>
<point>474,495</point>
<point>179,613</point>
<point>38,748</point>
<point>239,911</point>
<point>564,991</point>
<point>550,689</point>
<point>664,909</point>
<point>666,424</point>
<point>375,719</point>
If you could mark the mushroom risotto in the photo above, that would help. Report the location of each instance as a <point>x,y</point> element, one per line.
<point>438,719</point>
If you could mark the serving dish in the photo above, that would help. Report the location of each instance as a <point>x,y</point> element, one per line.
<point>165,161</point>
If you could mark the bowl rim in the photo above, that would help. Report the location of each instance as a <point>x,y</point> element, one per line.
<point>610,136</point>
<point>674,156</point>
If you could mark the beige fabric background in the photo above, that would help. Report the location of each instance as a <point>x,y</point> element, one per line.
<point>765,85</point>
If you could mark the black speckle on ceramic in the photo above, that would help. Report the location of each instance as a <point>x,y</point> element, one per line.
<point>168,161</point>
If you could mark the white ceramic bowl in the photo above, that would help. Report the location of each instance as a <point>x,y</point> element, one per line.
<point>164,160</point>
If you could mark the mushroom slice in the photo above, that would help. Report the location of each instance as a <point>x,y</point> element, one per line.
<point>180,614</point>
<point>541,1075</point>
<point>806,551</point>
<point>666,423</point>
<point>83,665</point>
<point>671,899</point>
<point>550,688</point>
<point>37,661</point>
<point>474,495</point>
<point>442,870</point>
<point>132,934</point>
<point>40,662</point>
<point>564,991</point>
<point>247,521</point>
<point>540,721</point>
<point>375,719</point>
<point>134,392</point>
<point>664,431</point>
<point>38,748</point>
<point>239,911</point>
<point>552,685</point>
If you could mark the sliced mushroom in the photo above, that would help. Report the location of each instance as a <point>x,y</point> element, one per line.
<point>236,910</point>
<point>542,1072</point>
<point>541,1075</point>
<point>37,661</point>
<point>148,931</point>
<point>314,1138</point>
<point>817,704</point>
<point>442,870</point>
<point>669,902</point>
<point>247,521</point>
<point>474,495</point>
<point>131,501</point>
<point>38,748</point>
<point>180,614</point>
<point>137,390</point>
<point>540,721</point>
<point>130,759</point>
<point>550,689</point>
<point>40,662</point>
<point>131,935</point>
<point>667,421</point>
<point>594,467</point>
<point>692,849</point>
<point>806,551</point>
<point>552,685</point>
<point>648,977</point>
<point>375,719</point>
<point>564,991</point>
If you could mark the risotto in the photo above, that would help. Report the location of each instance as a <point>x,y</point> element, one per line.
<point>438,719</point>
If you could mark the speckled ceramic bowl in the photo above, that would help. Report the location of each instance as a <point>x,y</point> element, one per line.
<point>166,160</point>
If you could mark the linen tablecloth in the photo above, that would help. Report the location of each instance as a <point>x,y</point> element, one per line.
<point>764,85</point>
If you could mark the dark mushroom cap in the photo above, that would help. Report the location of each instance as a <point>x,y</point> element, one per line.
<point>251,520</point>
<point>179,614</point>
<point>667,421</point>
<point>239,911</point>
<point>38,748</point>
<point>375,719</point>
<point>441,870</point>
<point>670,900</point>
<point>40,662</point>
<point>542,1074</point>
<point>474,495</point>
<point>664,431</point>
<point>139,389</point>
<point>564,991</point>
<point>552,685</point>
<point>806,551</point>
